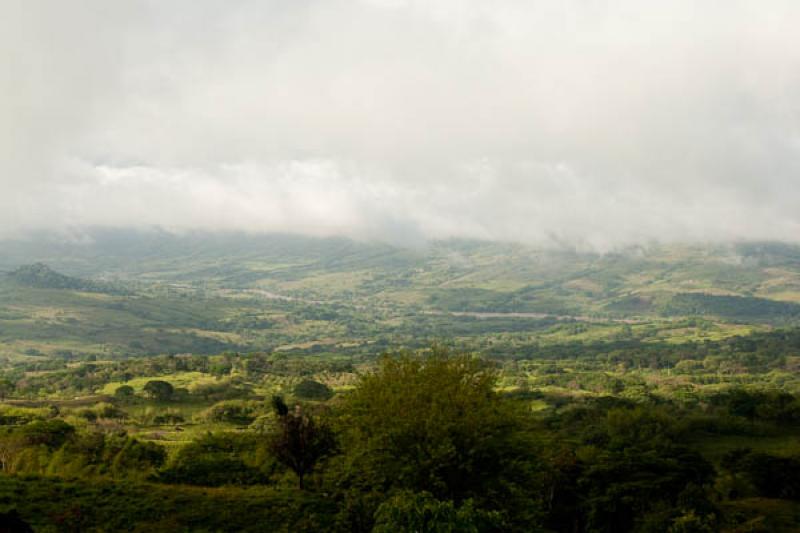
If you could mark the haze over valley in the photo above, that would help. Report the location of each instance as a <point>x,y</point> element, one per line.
<point>400,266</point>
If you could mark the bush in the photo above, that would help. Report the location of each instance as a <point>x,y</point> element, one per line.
<point>232,411</point>
<point>301,441</point>
<point>51,433</point>
<point>220,390</point>
<point>220,459</point>
<point>313,390</point>
<point>409,512</point>
<point>102,410</point>
<point>124,392</point>
<point>159,390</point>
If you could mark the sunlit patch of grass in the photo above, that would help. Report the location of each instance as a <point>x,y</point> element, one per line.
<point>180,379</point>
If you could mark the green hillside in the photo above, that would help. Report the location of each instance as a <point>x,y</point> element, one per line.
<point>137,293</point>
<point>41,276</point>
<point>228,382</point>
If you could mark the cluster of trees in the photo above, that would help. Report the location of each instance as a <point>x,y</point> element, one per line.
<point>41,276</point>
<point>762,474</point>
<point>431,443</point>
<point>707,362</point>
<point>215,460</point>
<point>756,353</point>
<point>627,469</point>
<point>54,447</point>
<point>49,377</point>
<point>735,307</point>
<point>418,433</point>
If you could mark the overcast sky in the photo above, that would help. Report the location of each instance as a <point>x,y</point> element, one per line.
<point>583,122</point>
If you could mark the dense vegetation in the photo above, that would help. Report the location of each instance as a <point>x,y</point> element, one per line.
<point>289,384</point>
<point>41,276</point>
<point>437,441</point>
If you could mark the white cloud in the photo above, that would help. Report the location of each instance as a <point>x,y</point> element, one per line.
<point>586,122</point>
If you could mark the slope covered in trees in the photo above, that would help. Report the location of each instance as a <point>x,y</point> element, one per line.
<point>645,390</point>
<point>437,441</point>
<point>41,276</point>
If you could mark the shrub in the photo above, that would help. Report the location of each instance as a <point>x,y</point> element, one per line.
<point>220,459</point>
<point>124,392</point>
<point>159,390</point>
<point>51,433</point>
<point>408,512</point>
<point>232,411</point>
<point>312,390</point>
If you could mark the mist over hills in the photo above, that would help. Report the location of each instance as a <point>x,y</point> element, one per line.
<point>739,280</point>
<point>132,292</point>
<point>400,266</point>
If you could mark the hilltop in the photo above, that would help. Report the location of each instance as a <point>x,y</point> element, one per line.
<point>41,276</point>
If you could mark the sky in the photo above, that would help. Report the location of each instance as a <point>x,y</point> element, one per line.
<point>584,123</point>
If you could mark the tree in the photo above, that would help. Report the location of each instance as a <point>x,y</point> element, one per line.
<point>312,390</point>
<point>300,442</point>
<point>772,476</point>
<point>743,403</point>
<point>159,390</point>
<point>124,392</point>
<point>6,388</point>
<point>436,424</point>
<point>233,411</point>
<point>280,407</point>
<point>10,446</point>
<point>625,486</point>
<point>51,433</point>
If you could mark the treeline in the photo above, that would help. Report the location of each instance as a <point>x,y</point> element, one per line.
<point>732,307</point>
<point>771,355</point>
<point>757,352</point>
<point>631,467</point>
<point>57,377</point>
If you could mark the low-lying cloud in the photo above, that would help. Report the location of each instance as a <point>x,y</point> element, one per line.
<point>586,123</point>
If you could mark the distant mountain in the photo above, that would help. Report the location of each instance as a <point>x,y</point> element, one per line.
<point>757,282</point>
<point>41,276</point>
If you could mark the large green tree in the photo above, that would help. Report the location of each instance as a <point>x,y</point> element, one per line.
<point>159,390</point>
<point>437,424</point>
